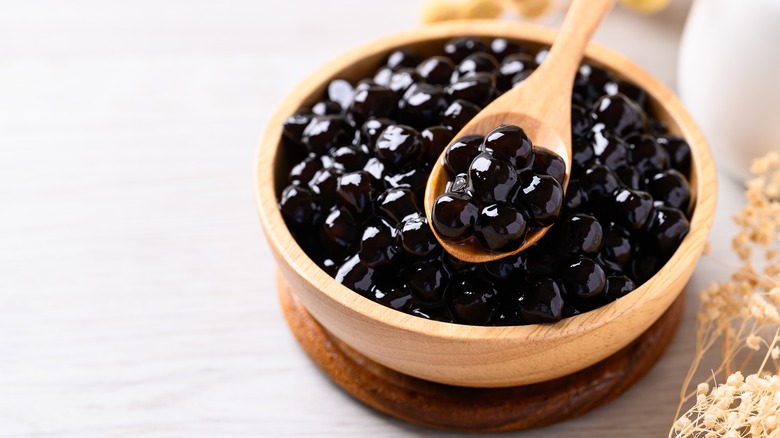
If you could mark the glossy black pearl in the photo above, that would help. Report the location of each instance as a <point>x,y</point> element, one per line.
<point>667,228</point>
<point>549,163</point>
<point>584,278</point>
<point>541,302</point>
<point>570,310</point>
<point>458,185</point>
<point>520,77</point>
<point>541,262</point>
<point>501,227</point>
<point>299,206</point>
<point>589,83</point>
<point>410,177</point>
<point>629,177</point>
<point>375,167</point>
<point>506,268</point>
<point>348,158</point>
<point>383,75</point>
<point>378,244</point>
<point>371,129</point>
<point>421,105</point>
<point>400,81</point>
<point>511,66</point>
<point>340,91</point>
<point>630,208</point>
<point>376,101</point>
<point>435,140</point>
<point>582,154</point>
<point>398,144</point>
<point>679,152</point>
<point>396,204</point>
<point>461,153</point>
<point>454,216</point>
<point>303,172</point>
<point>458,114</point>
<point>364,84</point>
<point>501,47</point>
<point>580,234</point>
<point>356,275</point>
<point>617,286</point>
<point>415,236</point>
<point>643,268</point>
<point>628,89</point>
<point>647,156</point>
<point>541,54</point>
<point>427,280</point>
<point>510,143</point>
<point>492,179</point>
<point>610,150</point>
<point>293,126</point>
<point>477,88</point>
<point>436,70</point>
<point>356,191</point>
<point>600,182</point>
<point>459,48</point>
<point>326,132</point>
<point>339,230</point>
<point>455,265</point>
<point>393,296</point>
<point>402,58</point>
<point>324,184</point>
<point>432,312</point>
<point>472,300</point>
<point>671,189</point>
<point>506,312</point>
<point>480,62</point>
<point>541,196</point>
<point>617,249</point>
<point>618,115</point>
<point>328,265</point>
<point>326,107</point>
<point>581,123</point>
<point>576,197</point>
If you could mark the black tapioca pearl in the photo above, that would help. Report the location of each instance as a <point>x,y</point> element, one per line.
<point>454,216</point>
<point>541,302</point>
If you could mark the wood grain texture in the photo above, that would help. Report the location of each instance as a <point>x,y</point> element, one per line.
<point>541,105</point>
<point>136,291</point>
<point>460,409</point>
<point>468,355</point>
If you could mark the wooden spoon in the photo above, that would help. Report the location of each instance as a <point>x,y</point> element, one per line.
<point>541,105</point>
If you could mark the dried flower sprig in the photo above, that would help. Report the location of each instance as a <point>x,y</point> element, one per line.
<point>743,315</point>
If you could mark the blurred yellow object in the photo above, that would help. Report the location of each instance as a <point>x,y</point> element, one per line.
<point>531,8</point>
<point>433,11</point>
<point>482,9</point>
<point>645,6</point>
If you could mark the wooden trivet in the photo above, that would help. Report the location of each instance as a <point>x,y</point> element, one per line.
<point>463,409</point>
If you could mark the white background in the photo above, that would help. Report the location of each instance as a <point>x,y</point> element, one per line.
<point>136,290</point>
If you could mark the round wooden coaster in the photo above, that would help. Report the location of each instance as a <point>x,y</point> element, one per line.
<point>476,409</point>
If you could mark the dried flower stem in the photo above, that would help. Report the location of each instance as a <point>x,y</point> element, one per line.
<point>744,315</point>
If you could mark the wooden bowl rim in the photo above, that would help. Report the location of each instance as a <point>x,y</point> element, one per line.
<point>282,242</point>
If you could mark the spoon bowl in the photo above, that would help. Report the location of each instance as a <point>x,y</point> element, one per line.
<point>541,135</point>
<point>541,105</point>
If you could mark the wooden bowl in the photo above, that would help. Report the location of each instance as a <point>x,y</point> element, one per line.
<point>469,355</point>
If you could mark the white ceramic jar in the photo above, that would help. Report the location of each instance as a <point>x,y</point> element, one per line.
<point>729,78</point>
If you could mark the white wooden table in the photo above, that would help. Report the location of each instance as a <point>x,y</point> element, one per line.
<point>136,290</point>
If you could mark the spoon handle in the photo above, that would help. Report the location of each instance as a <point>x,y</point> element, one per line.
<point>580,23</point>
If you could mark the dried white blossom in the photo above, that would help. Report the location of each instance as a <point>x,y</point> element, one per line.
<point>744,315</point>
